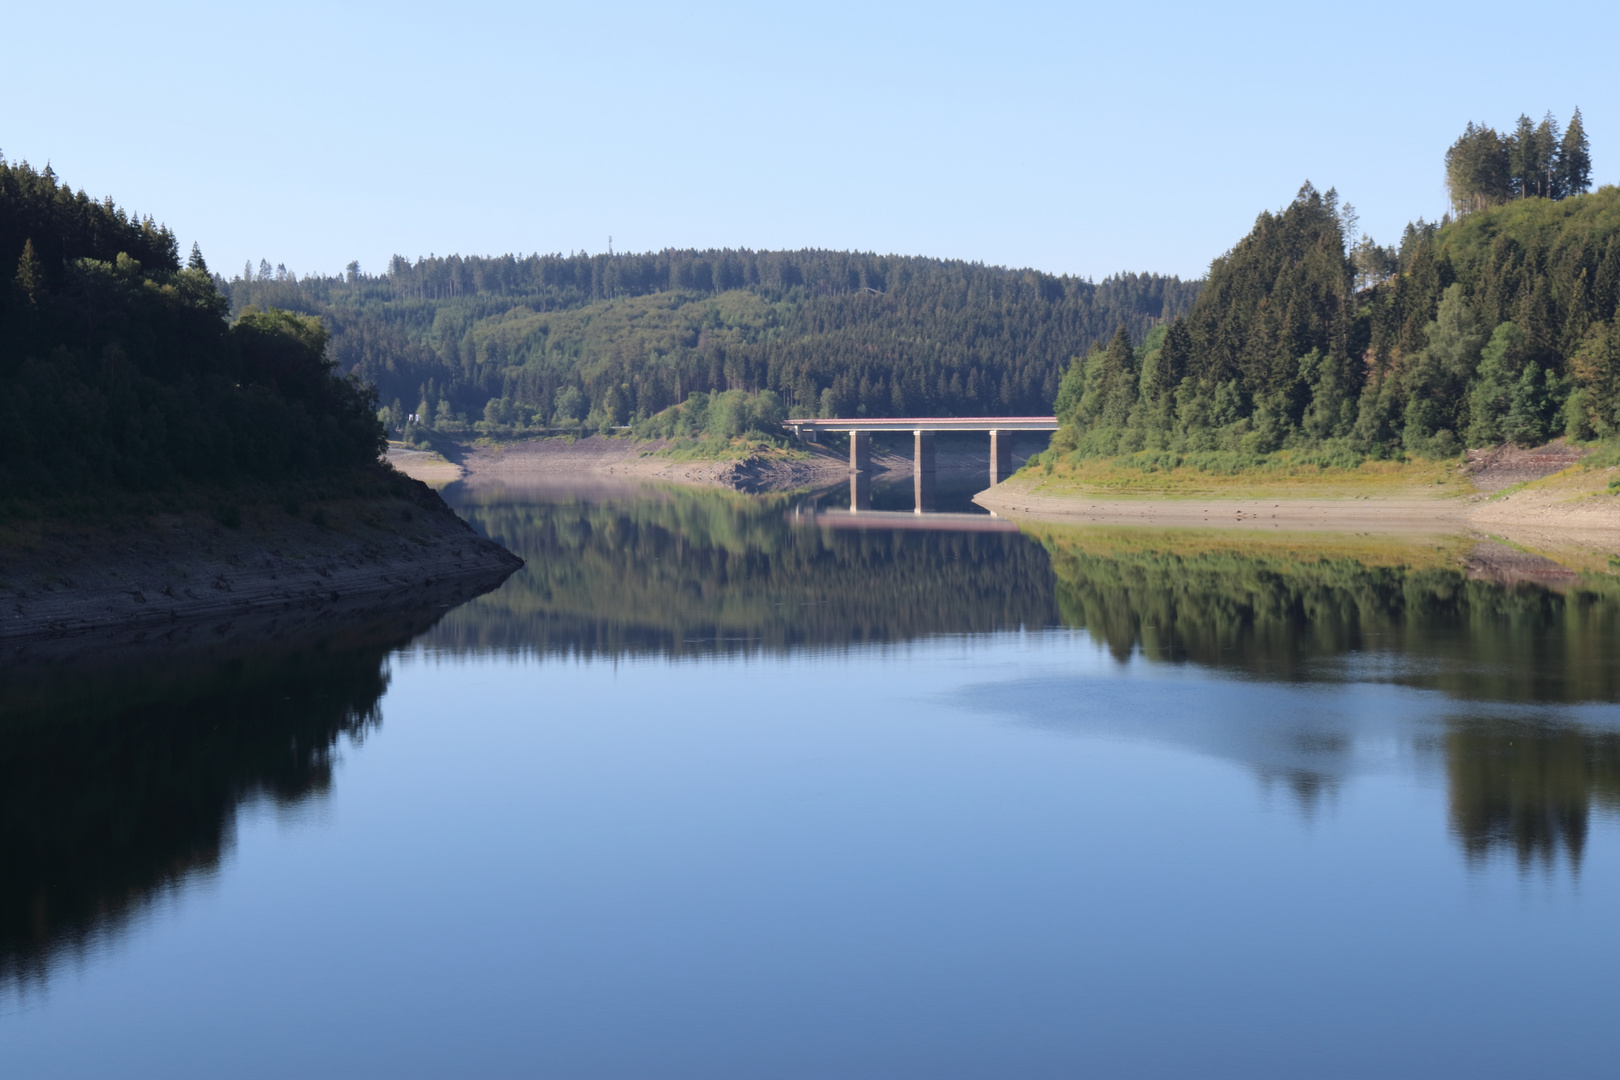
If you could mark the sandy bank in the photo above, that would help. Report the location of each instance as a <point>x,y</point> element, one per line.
<point>1572,509</point>
<point>434,470</point>
<point>174,580</point>
<point>1019,496</point>
<point>526,463</point>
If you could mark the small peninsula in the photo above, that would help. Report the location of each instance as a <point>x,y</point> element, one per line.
<point>162,464</point>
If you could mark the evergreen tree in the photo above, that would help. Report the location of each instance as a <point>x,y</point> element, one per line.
<point>1530,407</point>
<point>1491,394</point>
<point>30,274</point>
<point>1574,167</point>
<point>195,261</point>
<point>123,372</point>
<point>1594,406</point>
<point>1118,385</point>
<point>1545,157</point>
<point>1522,157</point>
<point>1478,170</point>
<point>1175,357</point>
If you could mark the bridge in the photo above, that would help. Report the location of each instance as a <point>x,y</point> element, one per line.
<point>923,429</point>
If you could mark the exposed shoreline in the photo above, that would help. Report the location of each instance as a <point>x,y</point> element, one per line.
<point>538,460</point>
<point>181,581</point>
<point>1565,512</point>
<point>1540,497</point>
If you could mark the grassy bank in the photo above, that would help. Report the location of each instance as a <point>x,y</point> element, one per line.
<point>1282,475</point>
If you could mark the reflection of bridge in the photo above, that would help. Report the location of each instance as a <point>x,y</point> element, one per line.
<point>857,517</point>
<point>923,429</point>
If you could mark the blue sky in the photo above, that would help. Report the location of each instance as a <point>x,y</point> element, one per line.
<point>1074,138</point>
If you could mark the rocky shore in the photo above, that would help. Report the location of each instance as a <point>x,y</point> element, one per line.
<point>187,580</point>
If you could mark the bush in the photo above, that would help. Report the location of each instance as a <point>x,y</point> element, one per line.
<point>718,418</point>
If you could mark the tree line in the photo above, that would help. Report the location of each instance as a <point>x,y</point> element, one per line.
<point>1496,325</point>
<point>1485,169</point>
<point>118,366</point>
<point>608,339</point>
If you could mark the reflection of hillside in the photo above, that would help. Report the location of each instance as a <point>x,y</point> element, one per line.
<point>115,788</point>
<point>1280,608</point>
<point>1528,790</point>
<point>681,572</point>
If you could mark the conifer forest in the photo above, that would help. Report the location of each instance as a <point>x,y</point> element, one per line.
<point>121,362</point>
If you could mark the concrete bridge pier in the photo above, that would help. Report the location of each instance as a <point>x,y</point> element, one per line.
<point>923,460</point>
<point>922,492</point>
<point>860,491</point>
<point>1000,456</point>
<point>922,471</point>
<point>860,451</point>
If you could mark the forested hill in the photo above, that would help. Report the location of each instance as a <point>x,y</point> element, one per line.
<point>1499,326</point>
<point>118,368</point>
<point>606,338</point>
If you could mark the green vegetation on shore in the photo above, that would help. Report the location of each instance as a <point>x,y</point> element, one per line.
<point>1497,326</point>
<point>120,372</point>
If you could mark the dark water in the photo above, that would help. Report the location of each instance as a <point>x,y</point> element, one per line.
<point>722,787</point>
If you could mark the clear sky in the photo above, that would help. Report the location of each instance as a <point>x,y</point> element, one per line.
<point>1075,138</point>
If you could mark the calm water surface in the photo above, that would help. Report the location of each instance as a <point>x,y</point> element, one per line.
<point>729,787</point>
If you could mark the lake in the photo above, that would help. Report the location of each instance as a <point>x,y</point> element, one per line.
<point>730,786</point>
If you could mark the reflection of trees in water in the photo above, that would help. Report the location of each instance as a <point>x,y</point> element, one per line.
<point>114,790</point>
<point>1528,789</point>
<point>1279,613</point>
<point>1283,612</point>
<point>695,572</point>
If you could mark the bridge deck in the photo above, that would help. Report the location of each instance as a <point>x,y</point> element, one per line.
<point>932,423</point>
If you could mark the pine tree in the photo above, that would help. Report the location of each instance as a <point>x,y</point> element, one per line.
<point>1531,401</point>
<point>1574,160</point>
<point>195,262</point>
<point>1546,157</point>
<point>1119,380</point>
<point>1594,407</point>
<point>1174,356</point>
<point>1478,171</point>
<point>30,274</point>
<point>1521,157</point>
